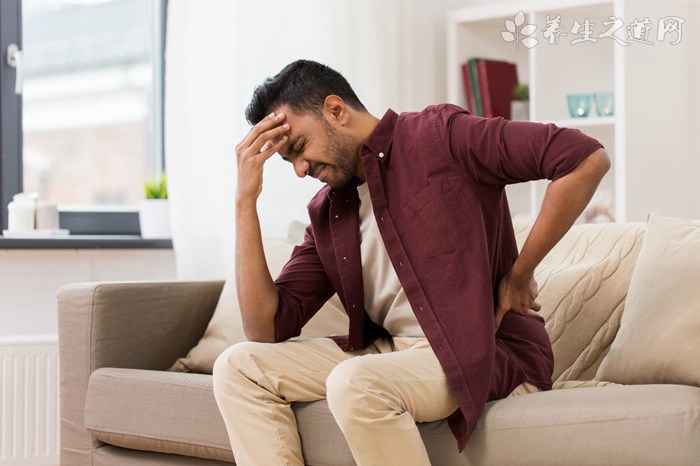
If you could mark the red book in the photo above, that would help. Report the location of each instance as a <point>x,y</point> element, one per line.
<point>468,90</point>
<point>497,80</point>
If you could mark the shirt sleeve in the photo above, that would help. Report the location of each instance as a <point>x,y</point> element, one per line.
<point>497,151</point>
<point>303,287</point>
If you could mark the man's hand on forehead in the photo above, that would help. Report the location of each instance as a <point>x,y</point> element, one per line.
<point>262,141</point>
<point>279,140</point>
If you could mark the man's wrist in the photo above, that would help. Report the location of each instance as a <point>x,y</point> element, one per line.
<point>520,273</point>
<point>243,201</point>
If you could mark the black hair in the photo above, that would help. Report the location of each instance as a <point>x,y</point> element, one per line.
<point>303,85</point>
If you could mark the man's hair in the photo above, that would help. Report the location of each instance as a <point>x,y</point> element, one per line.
<point>302,85</point>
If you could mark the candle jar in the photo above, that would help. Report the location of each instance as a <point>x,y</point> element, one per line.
<point>579,105</point>
<point>604,103</point>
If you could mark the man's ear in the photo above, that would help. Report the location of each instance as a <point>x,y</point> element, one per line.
<point>336,111</point>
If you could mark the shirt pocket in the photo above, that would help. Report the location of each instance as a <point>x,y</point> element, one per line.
<point>436,219</point>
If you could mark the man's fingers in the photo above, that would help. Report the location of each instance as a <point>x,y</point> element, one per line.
<point>264,125</point>
<point>272,135</point>
<point>499,317</point>
<point>270,149</point>
<point>536,306</point>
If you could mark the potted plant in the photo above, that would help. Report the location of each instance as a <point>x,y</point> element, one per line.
<point>154,211</point>
<point>520,105</point>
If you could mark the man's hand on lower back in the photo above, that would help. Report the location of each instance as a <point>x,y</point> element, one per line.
<point>517,294</point>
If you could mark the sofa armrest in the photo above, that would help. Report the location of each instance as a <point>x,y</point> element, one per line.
<point>137,325</point>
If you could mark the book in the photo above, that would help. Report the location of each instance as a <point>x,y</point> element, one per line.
<point>468,89</point>
<point>497,79</point>
<point>476,87</point>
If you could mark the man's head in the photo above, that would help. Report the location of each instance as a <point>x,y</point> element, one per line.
<point>327,121</point>
<point>301,86</point>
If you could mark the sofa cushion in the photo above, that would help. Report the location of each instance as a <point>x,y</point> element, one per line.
<point>658,341</point>
<point>611,425</point>
<point>176,413</point>
<point>657,424</point>
<point>583,283</point>
<point>109,455</point>
<point>225,327</point>
<point>157,411</point>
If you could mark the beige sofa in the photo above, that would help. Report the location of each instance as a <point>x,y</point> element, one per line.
<point>121,406</point>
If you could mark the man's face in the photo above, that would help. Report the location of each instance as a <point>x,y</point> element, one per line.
<point>317,149</point>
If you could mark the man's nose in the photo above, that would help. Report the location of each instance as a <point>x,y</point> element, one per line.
<point>301,166</point>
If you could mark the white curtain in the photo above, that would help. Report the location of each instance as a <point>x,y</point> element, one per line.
<point>216,52</point>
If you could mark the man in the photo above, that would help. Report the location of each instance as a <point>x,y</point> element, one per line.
<point>414,233</point>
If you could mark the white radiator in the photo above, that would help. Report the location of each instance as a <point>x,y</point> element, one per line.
<point>29,417</point>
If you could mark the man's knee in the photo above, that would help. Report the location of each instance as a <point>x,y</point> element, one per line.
<point>236,364</point>
<point>348,387</point>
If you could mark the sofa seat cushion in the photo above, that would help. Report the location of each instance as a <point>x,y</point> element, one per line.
<point>157,411</point>
<point>109,455</point>
<point>611,425</point>
<point>602,423</point>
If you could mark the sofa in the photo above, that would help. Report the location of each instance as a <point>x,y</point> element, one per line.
<point>620,303</point>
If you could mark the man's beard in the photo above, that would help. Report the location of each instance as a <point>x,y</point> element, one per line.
<point>343,150</point>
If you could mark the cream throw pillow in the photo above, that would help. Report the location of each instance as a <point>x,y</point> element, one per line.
<point>225,327</point>
<point>582,284</point>
<point>659,337</point>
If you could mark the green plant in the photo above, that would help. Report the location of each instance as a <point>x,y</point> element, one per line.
<point>521,92</point>
<point>156,188</point>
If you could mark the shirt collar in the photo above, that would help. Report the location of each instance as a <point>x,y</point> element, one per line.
<point>379,141</point>
<point>377,145</point>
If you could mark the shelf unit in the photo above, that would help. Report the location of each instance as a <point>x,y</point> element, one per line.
<point>652,136</point>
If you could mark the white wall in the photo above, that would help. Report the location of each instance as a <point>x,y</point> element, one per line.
<point>30,279</point>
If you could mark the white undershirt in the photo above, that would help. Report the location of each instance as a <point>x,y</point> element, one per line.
<point>385,300</point>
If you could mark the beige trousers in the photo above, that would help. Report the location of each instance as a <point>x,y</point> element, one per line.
<point>376,396</point>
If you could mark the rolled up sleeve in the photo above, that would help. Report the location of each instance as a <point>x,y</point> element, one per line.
<point>303,287</point>
<point>497,151</point>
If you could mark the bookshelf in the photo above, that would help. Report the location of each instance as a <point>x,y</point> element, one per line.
<point>652,137</point>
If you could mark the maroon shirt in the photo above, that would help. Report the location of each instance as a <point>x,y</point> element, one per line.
<point>436,179</point>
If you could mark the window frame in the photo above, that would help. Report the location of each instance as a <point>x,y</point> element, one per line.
<point>108,221</point>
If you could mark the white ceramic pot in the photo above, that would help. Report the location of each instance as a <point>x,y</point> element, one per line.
<point>154,218</point>
<point>519,110</point>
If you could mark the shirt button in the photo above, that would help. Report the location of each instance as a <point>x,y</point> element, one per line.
<point>345,258</point>
<point>336,216</point>
<point>400,264</point>
<point>382,218</point>
<point>381,155</point>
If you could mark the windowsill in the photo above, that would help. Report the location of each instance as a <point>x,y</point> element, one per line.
<point>86,242</point>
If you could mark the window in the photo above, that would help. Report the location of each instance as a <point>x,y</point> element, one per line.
<point>90,107</point>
